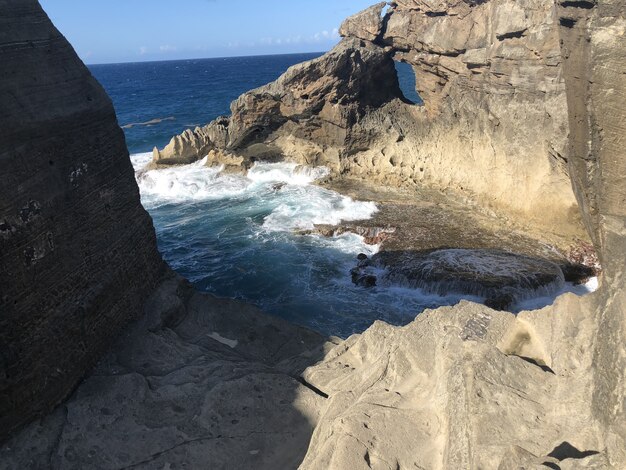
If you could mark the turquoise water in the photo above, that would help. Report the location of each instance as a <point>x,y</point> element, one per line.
<point>245,237</point>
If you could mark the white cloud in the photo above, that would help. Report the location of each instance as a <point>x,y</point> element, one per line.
<point>322,36</point>
<point>143,50</point>
<point>168,48</point>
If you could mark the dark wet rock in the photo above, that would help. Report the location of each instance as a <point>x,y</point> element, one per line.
<point>500,302</point>
<point>501,277</point>
<point>362,278</point>
<point>362,257</point>
<point>578,273</point>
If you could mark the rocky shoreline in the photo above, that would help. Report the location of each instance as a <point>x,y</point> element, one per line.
<point>415,226</point>
<point>523,116</point>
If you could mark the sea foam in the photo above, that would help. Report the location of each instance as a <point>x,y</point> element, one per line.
<point>285,189</point>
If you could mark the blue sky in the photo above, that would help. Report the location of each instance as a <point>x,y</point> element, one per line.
<point>105,31</point>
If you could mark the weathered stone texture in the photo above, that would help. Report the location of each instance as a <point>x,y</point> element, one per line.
<point>206,382</point>
<point>198,382</point>
<point>77,251</point>
<point>594,51</point>
<point>493,126</point>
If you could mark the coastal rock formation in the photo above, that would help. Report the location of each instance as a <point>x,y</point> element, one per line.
<point>74,271</point>
<point>186,147</point>
<point>198,382</point>
<point>468,387</point>
<point>502,278</point>
<point>309,113</point>
<point>594,50</point>
<point>493,126</point>
<point>202,382</point>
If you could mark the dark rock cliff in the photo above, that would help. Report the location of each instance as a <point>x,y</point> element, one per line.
<point>77,250</point>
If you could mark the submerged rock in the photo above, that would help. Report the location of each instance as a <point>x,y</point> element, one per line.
<point>362,278</point>
<point>502,278</point>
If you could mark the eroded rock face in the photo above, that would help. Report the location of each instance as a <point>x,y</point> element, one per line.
<point>494,114</point>
<point>594,49</point>
<point>467,387</point>
<point>367,25</point>
<point>201,381</point>
<point>308,115</point>
<point>78,252</point>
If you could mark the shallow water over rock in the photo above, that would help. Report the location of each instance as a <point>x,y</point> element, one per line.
<point>501,278</point>
<point>272,238</point>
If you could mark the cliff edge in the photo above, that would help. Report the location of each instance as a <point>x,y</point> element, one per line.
<point>74,271</point>
<point>199,381</point>
<point>492,127</point>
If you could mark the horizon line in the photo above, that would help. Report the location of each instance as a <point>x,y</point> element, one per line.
<point>201,58</point>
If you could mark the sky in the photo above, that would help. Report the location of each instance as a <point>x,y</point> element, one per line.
<point>111,31</point>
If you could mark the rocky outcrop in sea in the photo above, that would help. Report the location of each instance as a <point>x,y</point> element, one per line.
<point>203,382</point>
<point>492,128</point>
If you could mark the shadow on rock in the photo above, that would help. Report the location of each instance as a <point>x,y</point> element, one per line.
<point>199,382</point>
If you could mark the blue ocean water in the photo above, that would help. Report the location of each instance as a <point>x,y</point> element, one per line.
<point>246,237</point>
<point>182,93</point>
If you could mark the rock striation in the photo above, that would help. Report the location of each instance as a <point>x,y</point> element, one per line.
<point>73,269</point>
<point>197,382</point>
<point>491,77</point>
<point>467,387</point>
<point>203,382</point>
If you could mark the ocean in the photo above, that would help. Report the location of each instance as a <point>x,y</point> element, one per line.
<point>242,236</point>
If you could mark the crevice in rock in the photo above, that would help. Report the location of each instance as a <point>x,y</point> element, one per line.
<point>551,465</point>
<point>434,14</point>
<point>452,53</point>
<point>567,22</point>
<point>155,456</point>
<point>367,458</point>
<point>386,15</point>
<point>311,387</point>
<point>584,4</point>
<point>565,450</point>
<point>534,362</point>
<point>511,35</point>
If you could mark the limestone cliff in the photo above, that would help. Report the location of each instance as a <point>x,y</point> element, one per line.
<point>77,251</point>
<point>202,382</point>
<point>493,123</point>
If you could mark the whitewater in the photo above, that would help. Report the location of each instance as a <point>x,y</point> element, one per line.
<point>251,237</point>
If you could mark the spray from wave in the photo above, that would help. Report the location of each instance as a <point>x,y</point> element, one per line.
<point>249,237</point>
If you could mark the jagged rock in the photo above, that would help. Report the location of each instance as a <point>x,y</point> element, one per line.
<point>308,114</point>
<point>466,387</point>
<point>193,144</point>
<point>457,388</point>
<point>74,271</point>
<point>206,382</point>
<point>367,25</point>
<point>482,69</point>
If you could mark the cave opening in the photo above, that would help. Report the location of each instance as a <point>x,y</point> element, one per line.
<point>406,79</point>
